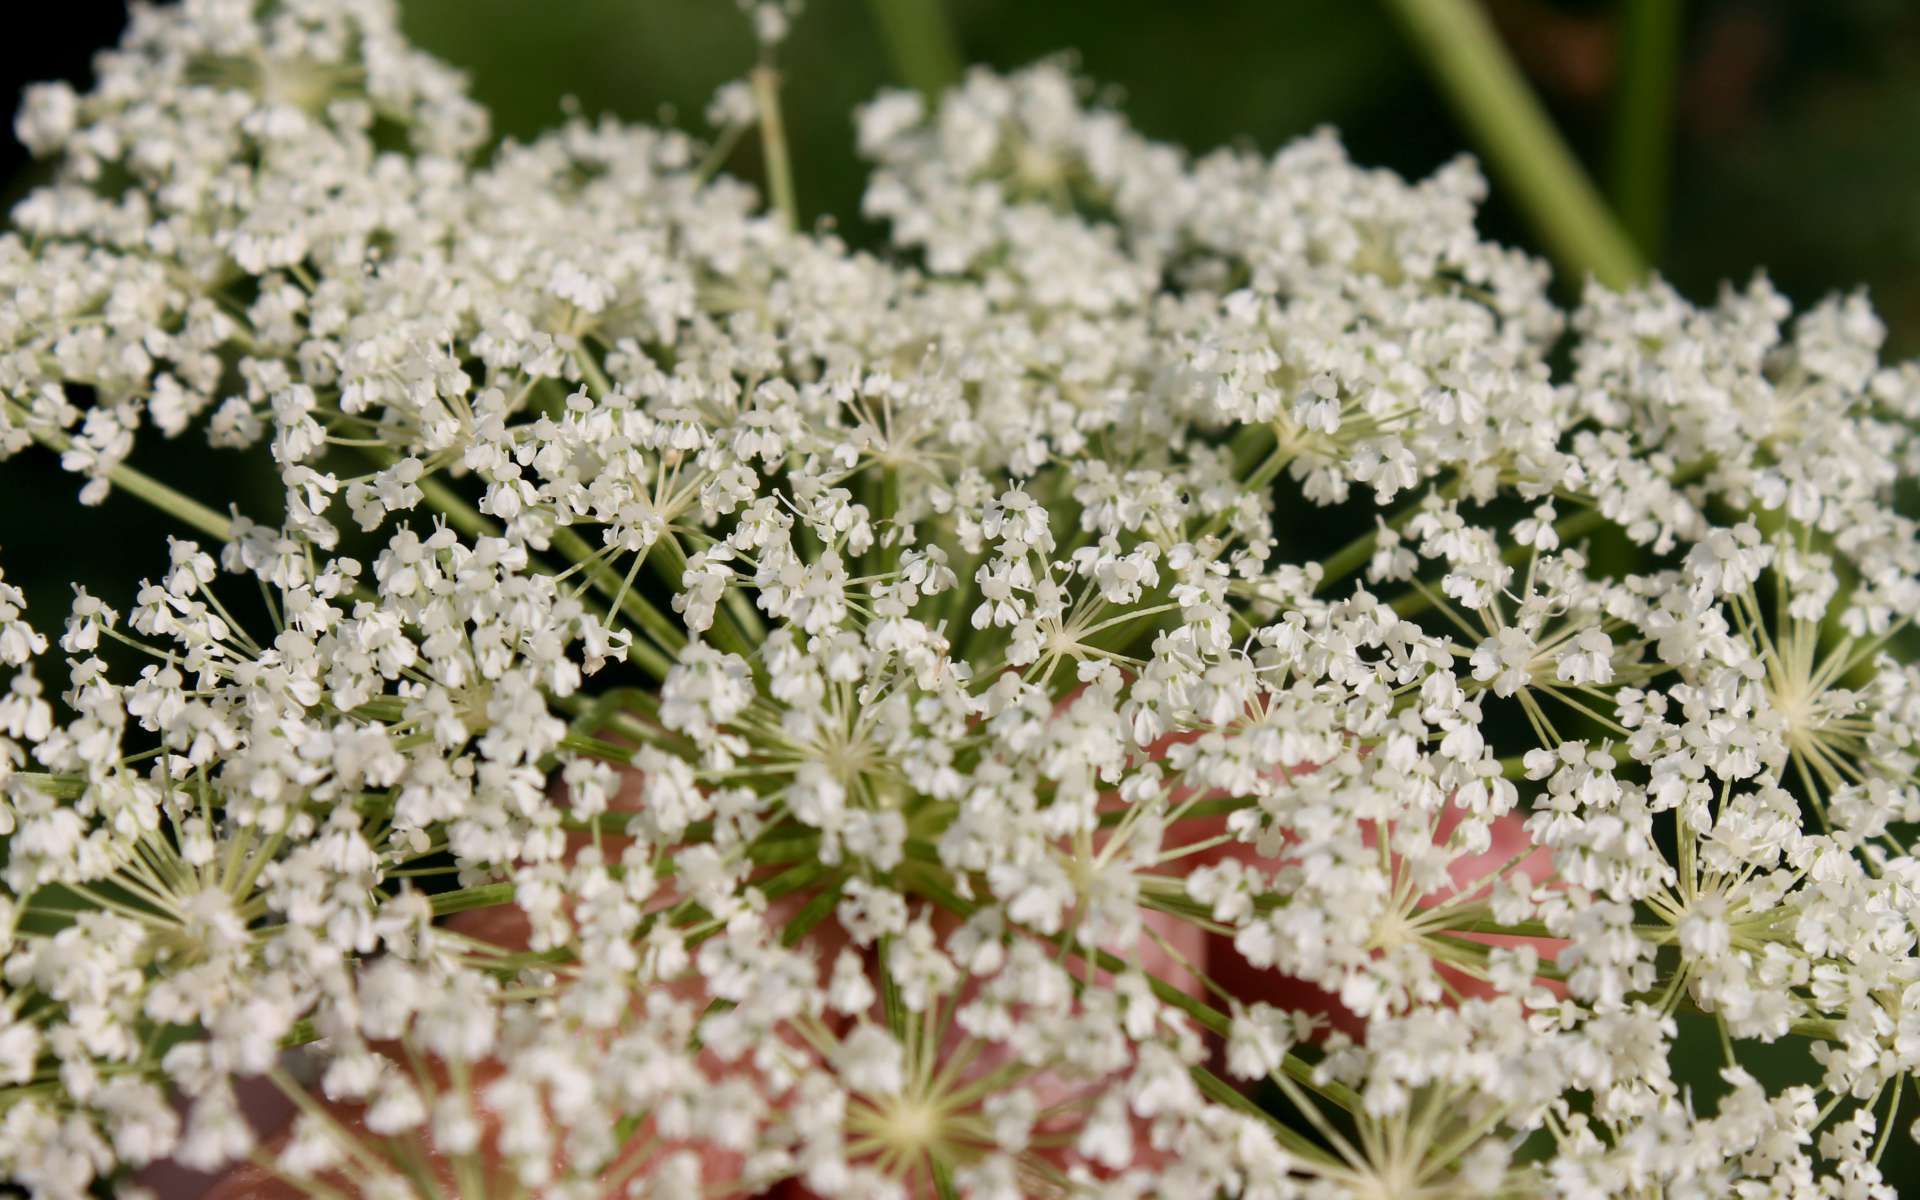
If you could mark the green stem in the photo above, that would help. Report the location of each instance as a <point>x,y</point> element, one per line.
<point>470,521</point>
<point>484,895</point>
<point>178,505</point>
<point>651,622</point>
<point>921,42</point>
<point>1642,149</point>
<point>1492,97</point>
<point>930,884</point>
<point>1221,1092</point>
<point>1569,529</point>
<point>139,485</point>
<point>1359,551</point>
<point>773,144</point>
<point>59,787</point>
<point>454,507</point>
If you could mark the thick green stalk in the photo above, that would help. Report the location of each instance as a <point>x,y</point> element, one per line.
<point>177,505</point>
<point>1642,150</point>
<point>1569,529</point>
<point>773,144</point>
<point>1492,97</point>
<point>470,521</point>
<point>454,507</point>
<point>483,895</point>
<point>921,42</point>
<point>651,622</point>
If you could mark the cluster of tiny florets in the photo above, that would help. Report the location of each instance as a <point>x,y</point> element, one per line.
<point>1171,676</point>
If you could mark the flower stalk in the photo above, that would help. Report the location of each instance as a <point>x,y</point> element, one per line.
<point>1477,75</point>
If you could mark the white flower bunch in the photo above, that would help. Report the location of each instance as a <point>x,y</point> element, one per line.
<point>1173,677</point>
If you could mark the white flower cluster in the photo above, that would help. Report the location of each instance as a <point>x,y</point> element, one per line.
<point>1174,677</point>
